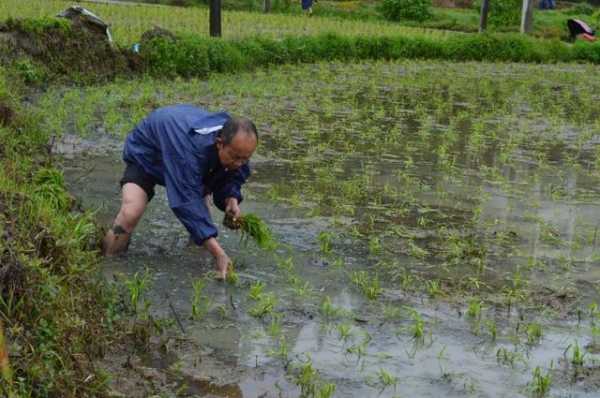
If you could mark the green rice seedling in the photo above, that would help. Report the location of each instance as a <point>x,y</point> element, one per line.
<point>200,302</point>
<point>386,379</point>
<point>265,306</point>
<point>275,327</point>
<point>222,311</point>
<point>418,327</point>
<point>474,309</point>
<point>328,310</point>
<point>492,329</point>
<point>325,239</point>
<point>137,287</point>
<point>307,379</point>
<point>540,385</point>
<point>282,351</point>
<point>301,288</point>
<point>327,390</point>
<point>415,251</point>
<point>232,277</point>
<point>338,263</point>
<point>344,331</point>
<point>286,265</point>
<point>369,286</point>
<point>578,356</point>
<point>375,246</point>
<point>434,288</point>
<point>253,227</point>
<point>256,290</point>
<point>506,357</point>
<point>594,313</point>
<point>534,333</point>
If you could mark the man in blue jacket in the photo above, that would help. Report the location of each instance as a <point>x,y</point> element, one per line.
<point>193,153</point>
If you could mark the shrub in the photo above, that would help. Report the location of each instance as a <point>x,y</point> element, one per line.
<point>29,72</point>
<point>580,9</point>
<point>197,56</point>
<point>395,10</point>
<point>502,12</point>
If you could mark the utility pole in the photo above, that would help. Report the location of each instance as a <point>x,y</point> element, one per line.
<point>215,18</point>
<point>527,16</point>
<point>485,7</point>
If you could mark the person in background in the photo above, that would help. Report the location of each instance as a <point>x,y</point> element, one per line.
<point>307,6</point>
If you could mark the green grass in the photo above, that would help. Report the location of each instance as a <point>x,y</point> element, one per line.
<point>128,22</point>
<point>57,315</point>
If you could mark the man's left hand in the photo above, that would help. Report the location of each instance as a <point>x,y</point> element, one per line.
<point>232,208</point>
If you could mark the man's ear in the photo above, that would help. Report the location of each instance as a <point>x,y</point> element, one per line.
<point>219,142</point>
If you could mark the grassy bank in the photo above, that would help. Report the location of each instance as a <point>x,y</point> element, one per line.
<point>56,316</point>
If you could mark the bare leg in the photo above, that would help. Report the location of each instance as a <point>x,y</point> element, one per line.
<point>133,205</point>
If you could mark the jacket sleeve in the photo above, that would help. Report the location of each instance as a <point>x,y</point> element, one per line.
<point>231,186</point>
<point>185,193</point>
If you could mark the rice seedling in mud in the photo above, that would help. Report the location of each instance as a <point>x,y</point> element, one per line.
<point>200,301</point>
<point>137,287</point>
<point>265,306</point>
<point>325,239</point>
<point>368,285</point>
<point>417,329</point>
<point>281,352</point>
<point>256,290</point>
<point>534,333</point>
<point>309,380</point>
<point>330,311</point>
<point>344,332</point>
<point>492,329</point>
<point>509,358</point>
<point>577,354</point>
<point>541,383</point>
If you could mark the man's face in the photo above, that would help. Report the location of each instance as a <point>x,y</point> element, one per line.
<point>238,152</point>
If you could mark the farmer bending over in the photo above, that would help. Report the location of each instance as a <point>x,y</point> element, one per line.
<point>193,153</point>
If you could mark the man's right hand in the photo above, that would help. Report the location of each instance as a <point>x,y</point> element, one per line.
<point>222,261</point>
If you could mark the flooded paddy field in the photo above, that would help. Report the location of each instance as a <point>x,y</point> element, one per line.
<point>438,229</point>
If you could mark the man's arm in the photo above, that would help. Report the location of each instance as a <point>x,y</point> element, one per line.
<point>231,188</point>
<point>185,193</point>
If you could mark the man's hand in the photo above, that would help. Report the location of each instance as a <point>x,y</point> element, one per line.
<point>232,208</point>
<point>222,262</point>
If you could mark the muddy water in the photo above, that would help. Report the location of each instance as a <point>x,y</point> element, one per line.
<point>229,353</point>
<point>448,192</point>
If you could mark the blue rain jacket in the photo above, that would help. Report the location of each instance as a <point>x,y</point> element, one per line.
<point>176,145</point>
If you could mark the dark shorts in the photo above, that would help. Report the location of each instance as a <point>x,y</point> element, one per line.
<point>135,174</point>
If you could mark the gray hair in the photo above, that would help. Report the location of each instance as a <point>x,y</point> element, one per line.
<point>235,125</point>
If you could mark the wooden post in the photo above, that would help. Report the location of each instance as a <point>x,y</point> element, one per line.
<point>485,7</point>
<point>215,18</point>
<point>527,16</point>
<point>267,6</point>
